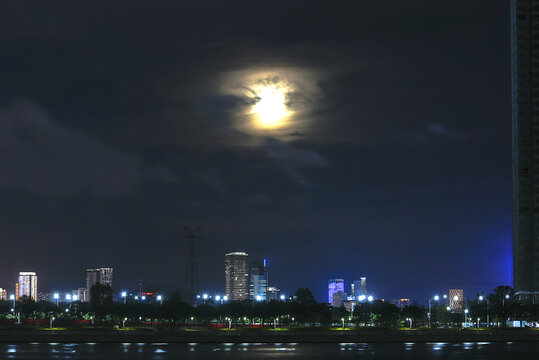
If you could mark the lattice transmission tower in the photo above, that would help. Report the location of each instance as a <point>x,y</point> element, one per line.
<point>191,280</point>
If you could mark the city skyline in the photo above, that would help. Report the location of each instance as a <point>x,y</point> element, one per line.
<point>362,139</point>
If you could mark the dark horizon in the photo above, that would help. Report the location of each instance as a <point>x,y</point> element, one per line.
<point>120,123</point>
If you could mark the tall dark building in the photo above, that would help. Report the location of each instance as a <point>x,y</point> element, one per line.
<point>525,125</point>
<point>101,275</point>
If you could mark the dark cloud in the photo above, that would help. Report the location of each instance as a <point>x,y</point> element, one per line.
<point>40,156</point>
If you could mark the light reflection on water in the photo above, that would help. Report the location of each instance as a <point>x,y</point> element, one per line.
<point>409,350</point>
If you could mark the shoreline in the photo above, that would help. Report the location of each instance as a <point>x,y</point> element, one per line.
<point>323,336</point>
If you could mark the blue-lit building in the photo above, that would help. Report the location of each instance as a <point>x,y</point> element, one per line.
<point>334,286</point>
<point>258,284</point>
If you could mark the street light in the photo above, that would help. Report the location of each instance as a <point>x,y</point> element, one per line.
<point>75,297</point>
<point>57,297</point>
<point>466,315</point>
<point>370,298</point>
<point>159,298</point>
<point>12,297</point>
<point>342,319</point>
<point>410,320</point>
<point>503,304</point>
<point>361,297</point>
<point>143,297</point>
<point>124,295</point>
<point>68,297</point>
<point>217,298</point>
<point>225,298</point>
<point>258,298</point>
<point>436,298</point>
<point>283,297</point>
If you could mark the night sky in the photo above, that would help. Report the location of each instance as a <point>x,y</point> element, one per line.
<point>122,121</point>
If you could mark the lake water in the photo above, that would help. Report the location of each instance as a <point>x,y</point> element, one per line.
<point>461,351</point>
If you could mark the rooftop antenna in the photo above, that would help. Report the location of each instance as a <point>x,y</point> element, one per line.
<point>191,280</point>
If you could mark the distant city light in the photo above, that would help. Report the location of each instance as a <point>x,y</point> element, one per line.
<point>370,298</point>
<point>283,297</point>
<point>68,297</point>
<point>361,297</point>
<point>143,297</point>
<point>258,298</point>
<point>136,297</point>
<point>75,298</point>
<point>225,298</point>
<point>198,296</point>
<point>205,296</point>
<point>217,297</point>
<point>455,298</point>
<point>56,296</point>
<point>11,297</point>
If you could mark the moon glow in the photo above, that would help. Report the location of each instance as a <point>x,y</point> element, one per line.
<point>270,110</point>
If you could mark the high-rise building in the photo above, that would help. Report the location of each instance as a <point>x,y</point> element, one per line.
<point>3,294</point>
<point>237,276</point>
<point>80,294</point>
<point>525,148</point>
<point>27,285</point>
<point>258,282</point>
<point>339,298</point>
<point>101,275</point>
<point>334,286</point>
<point>273,293</point>
<point>456,300</point>
<point>359,287</point>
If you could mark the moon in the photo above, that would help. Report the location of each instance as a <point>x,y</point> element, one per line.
<point>270,110</point>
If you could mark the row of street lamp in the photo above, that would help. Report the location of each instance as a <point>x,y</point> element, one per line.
<point>466,311</point>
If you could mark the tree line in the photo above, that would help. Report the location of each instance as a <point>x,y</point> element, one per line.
<point>301,310</point>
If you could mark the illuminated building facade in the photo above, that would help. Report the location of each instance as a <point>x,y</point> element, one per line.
<point>80,294</point>
<point>334,286</point>
<point>273,293</point>
<point>27,285</point>
<point>456,300</point>
<point>101,275</point>
<point>237,276</point>
<point>359,287</point>
<point>258,282</point>
<point>525,147</point>
<point>3,294</point>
